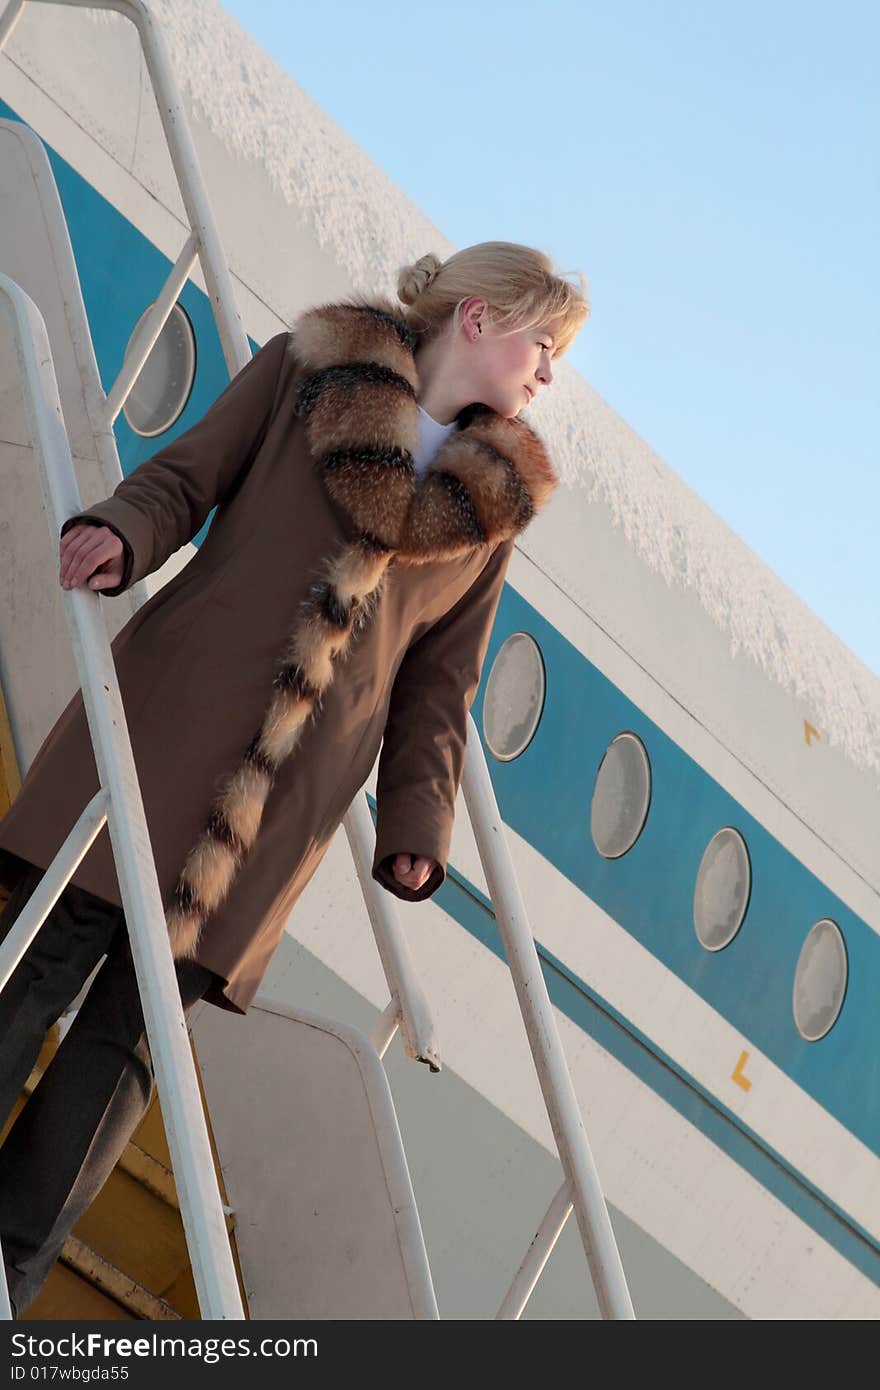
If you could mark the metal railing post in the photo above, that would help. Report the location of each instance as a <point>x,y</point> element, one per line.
<point>409,1006</point>
<point>192,1160</point>
<point>537,1255</point>
<point>53,883</point>
<point>563,1110</point>
<point>215,269</point>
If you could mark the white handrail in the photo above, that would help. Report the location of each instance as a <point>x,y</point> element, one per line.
<point>385,1027</point>
<point>53,883</point>
<point>410,1007</point>
<point>194,1176</point>
<point>218,280</point>
<point>155,320</point>
<point>563,1110</point>
<point>537,1255</point>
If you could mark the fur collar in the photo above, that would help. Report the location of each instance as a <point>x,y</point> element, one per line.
<point>358,397</point>
<point>359,400</point>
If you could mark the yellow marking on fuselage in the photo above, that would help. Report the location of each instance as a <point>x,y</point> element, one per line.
<point>738,1075</point>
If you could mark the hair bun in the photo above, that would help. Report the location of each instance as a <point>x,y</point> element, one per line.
<point>413,280</point>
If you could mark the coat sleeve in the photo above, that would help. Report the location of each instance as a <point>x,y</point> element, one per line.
<point>164,502</point>
<point>423,747</point>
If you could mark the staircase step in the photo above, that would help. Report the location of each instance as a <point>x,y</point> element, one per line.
<point>137,1232</point>
<point>86,1285</point>
<point>67,1296</point>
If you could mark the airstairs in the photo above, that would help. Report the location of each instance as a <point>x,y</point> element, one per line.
<point>161,1241</point>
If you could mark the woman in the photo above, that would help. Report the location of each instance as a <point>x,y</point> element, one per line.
<point>370,475</point>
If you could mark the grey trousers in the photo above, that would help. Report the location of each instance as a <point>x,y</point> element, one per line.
<point>65,1142</point>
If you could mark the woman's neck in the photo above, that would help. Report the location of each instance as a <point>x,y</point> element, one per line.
<point>442,393</point>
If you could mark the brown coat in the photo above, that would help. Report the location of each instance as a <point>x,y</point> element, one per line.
<point>198,663</point>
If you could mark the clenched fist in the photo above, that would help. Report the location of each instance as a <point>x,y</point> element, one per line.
<point>413,870</point>
<point>91,553</point>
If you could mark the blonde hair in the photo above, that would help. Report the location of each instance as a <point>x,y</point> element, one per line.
<point>521,286</point>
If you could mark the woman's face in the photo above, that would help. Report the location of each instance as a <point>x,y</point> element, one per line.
<point>509,370</point>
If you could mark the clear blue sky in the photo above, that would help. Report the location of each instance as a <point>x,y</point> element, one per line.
<point>713,170</point>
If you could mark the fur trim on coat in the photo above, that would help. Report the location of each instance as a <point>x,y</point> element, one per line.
<point>358,400</point>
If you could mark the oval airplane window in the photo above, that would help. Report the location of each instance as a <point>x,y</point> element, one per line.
<point>162,387</point>
<point>514,700</point>
<point>721,893</point>
<point>621,796</point>
<point>820,980</point>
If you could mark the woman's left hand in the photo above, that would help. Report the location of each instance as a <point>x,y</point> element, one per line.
<point>413,870</point>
